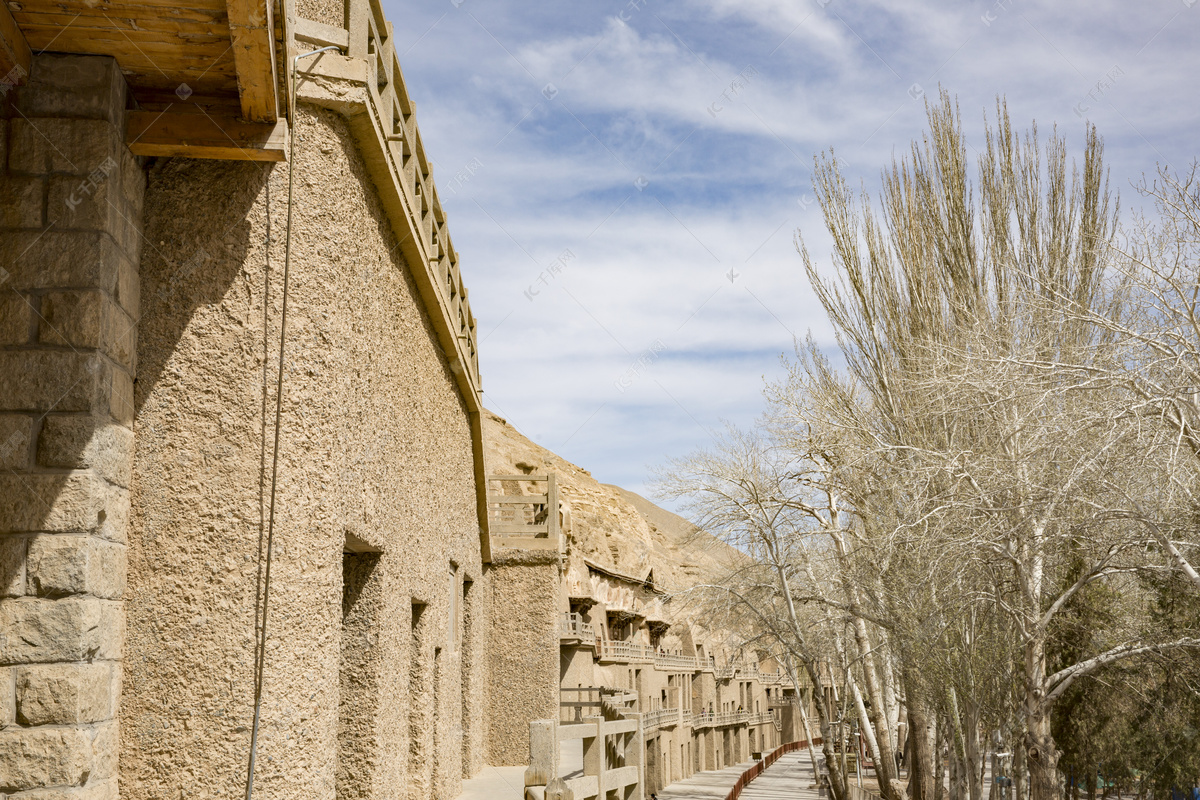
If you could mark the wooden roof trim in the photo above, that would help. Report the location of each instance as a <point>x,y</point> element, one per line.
<point>646,582</point>
<point>203,135</point>
<point>252,29</point>
<point>15,55</point>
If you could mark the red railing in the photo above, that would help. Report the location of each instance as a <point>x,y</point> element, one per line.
<point>768,760</point>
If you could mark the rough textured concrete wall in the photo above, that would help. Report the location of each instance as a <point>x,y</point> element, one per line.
<point>524,658</point>
<point>477,609</point>
<point>575,666</point>
<point>375,448</point>
<point>361,673</point>
<point>70,209</point>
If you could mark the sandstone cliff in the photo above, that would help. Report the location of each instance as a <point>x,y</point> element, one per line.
<point>608,525</point>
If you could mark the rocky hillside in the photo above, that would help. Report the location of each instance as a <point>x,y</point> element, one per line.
<point>608,525</point>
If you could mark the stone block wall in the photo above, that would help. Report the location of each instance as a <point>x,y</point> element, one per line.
<point>70,211</point>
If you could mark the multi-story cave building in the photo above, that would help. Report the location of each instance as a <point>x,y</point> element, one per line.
<point>244,464</point>
<point>631,638</point>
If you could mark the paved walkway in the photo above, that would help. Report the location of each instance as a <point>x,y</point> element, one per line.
<point>789,777</point>
<point>495,783</point>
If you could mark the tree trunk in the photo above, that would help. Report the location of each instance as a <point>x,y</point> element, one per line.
<point>837,780</point>
<point>883,753</point>
<point>808,737</point>
<point>920,759</point>
<point>1018,775</point>
<point>939,773</point>
<point>1041,755</point>
<point>873,743</point>
<point>891,703</point>
<point>812,748</point>
<point>1042,758</point>
<point>967,729</point>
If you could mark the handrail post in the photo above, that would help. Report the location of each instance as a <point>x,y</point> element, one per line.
<point>635,754</point>
<point>543,752</point>
<point>357,13</point>
<point>593,752</point>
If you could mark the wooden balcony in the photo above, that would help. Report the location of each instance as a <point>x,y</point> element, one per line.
<point>523,511</point>
<point>624,652</point>
<point>728,670</point>
<point>573,630</point>
<point>670,662</point>
<point>728,718</point>
<point>661,718</point>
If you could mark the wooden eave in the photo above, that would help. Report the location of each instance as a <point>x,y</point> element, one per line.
<point>210,70</point>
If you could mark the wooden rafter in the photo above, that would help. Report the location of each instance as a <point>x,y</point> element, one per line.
<point>252,28</point>
<point>15,55</point>
<point>199,135</point>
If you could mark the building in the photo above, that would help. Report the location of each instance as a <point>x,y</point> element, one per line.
<point>629,636</point>
<point>144,232</point>
<point>181,469</point>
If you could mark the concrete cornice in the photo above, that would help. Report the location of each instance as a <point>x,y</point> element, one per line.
<point>369,92</point>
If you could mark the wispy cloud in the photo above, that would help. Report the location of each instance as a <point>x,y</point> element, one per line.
<point>668,147</point>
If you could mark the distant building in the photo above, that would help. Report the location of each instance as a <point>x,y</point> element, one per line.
<point>703,701</point>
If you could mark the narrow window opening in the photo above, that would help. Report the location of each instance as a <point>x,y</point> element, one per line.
<point>420,701</point>
<point>467,665</point>
<point>358,675</point>
<point>453,626</point>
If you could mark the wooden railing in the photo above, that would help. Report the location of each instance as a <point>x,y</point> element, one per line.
<point>729,669</point>
<point>612,755</point>
<point>758,769</point>
<point>518,519</point>
<point>572,626</point>
<point>366,37</point>
<point>590,701</point>
<point>676,663</point>
<point>662,718</point>
<point>724,718</point>
<point>625,652</point>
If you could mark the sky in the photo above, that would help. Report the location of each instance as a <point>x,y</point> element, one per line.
<point>624,180</point>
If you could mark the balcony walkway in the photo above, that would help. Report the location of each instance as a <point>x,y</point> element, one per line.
<point>790,777</point>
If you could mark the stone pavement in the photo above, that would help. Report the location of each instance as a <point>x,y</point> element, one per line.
<point>789,777</point>
<point>495,783</point>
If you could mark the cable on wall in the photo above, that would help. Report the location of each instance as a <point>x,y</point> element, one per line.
<point>261,654</point>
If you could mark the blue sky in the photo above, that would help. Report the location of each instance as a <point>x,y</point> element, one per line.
<point>624,180</point>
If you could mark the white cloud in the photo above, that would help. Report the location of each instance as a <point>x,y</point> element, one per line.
<point>633,99</point>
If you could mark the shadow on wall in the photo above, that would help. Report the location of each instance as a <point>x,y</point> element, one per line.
<point>87,419</point>
<point>71,317</point>
<point>191,255</point>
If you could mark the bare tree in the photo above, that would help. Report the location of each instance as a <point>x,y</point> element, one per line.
<point>1017,419</point>
<point>945,313</point>
<point>772,505</point>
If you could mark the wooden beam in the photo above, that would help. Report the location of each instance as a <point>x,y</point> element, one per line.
<point>252,28</point>
<point>199,135</point>
<point>15,56</point>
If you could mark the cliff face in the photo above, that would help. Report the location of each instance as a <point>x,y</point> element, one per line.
<point>610,526</point>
